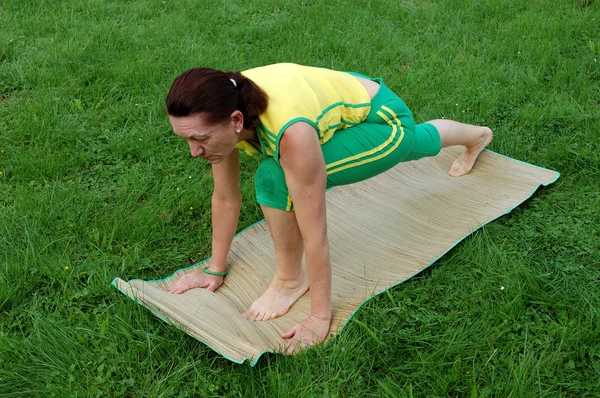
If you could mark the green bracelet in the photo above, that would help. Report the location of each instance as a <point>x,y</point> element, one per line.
<point>206,271</point>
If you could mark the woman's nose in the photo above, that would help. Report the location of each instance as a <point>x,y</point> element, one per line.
<point>196,150</point>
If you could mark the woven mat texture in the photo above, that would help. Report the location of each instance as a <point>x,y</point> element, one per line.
<point>381,232</point>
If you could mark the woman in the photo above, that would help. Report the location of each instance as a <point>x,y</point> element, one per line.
<point>316,128</point>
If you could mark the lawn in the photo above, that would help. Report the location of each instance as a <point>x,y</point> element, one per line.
<point>94,184</point>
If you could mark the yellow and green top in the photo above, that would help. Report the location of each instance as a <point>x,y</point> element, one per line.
<point>326,99</point>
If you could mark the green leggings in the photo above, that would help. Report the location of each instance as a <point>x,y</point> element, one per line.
<point>387,137</point>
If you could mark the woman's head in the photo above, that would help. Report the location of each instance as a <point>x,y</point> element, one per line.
<point>214,93</point>
<point>212,110</point>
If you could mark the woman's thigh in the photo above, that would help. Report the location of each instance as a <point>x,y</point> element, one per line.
<point>366,150</point>
<point>387,137</point>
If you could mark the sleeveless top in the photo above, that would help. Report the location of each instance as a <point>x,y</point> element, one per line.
<point>326,99</point>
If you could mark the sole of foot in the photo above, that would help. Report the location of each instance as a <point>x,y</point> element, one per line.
<point>464,164</point>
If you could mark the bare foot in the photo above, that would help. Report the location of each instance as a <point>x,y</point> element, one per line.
<point>465,162</point>
<point>277,299</point>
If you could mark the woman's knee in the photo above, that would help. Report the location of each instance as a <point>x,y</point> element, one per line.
<point>271,188</point>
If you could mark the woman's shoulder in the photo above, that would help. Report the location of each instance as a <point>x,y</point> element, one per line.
<point>279,65</point>
<point>273,70</point>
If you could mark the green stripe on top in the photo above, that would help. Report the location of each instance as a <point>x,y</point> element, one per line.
<point>337,104</point>
<point>260,149</point>
<point>269,135</point>
<point>285,126</point>
<point>336,126</point>
<point>266,140</point>
<point>348,123</point>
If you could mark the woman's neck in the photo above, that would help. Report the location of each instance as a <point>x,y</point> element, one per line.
<point>248,135</point>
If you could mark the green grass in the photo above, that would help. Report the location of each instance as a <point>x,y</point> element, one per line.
<point>94,185</point>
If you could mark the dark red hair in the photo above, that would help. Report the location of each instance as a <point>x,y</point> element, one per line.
<point>210,91</point>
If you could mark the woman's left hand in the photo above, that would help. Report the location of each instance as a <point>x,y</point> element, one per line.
<point>313,330</point>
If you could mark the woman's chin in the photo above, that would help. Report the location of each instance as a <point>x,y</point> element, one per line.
<point>214,159</point>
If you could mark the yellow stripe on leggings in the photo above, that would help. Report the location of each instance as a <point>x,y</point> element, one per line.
<point>374,150</point>
<point>289,204</point>
<point>388,110</point>
<point>329,172</point>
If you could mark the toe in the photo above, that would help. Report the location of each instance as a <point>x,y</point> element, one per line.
<point>250,314</point>
<point>268,315</point>
<point>265,315</point>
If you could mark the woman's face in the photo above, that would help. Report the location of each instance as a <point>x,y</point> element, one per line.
<point>213,142</point>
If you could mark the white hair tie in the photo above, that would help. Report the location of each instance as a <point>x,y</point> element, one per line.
<point>234,83</point>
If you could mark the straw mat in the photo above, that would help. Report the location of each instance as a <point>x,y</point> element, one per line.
<point>381,232</point>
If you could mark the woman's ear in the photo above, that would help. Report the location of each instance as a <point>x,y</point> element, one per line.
<point>237,119</point>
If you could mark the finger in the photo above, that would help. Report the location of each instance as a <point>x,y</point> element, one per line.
<point>286,351</point>
<point>176,289</point>
<point>292,347</point>
<point>180,289</point>
<point>304,344</point>
<point>212,287</point>
<point>290,333</point>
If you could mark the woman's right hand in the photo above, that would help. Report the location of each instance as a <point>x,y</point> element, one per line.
<point>194,280</point>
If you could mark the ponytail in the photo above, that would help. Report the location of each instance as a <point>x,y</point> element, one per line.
<point>252,100</point>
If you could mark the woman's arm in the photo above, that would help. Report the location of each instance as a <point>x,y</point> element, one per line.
<point>302,161</point>
<point>226,203</point>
